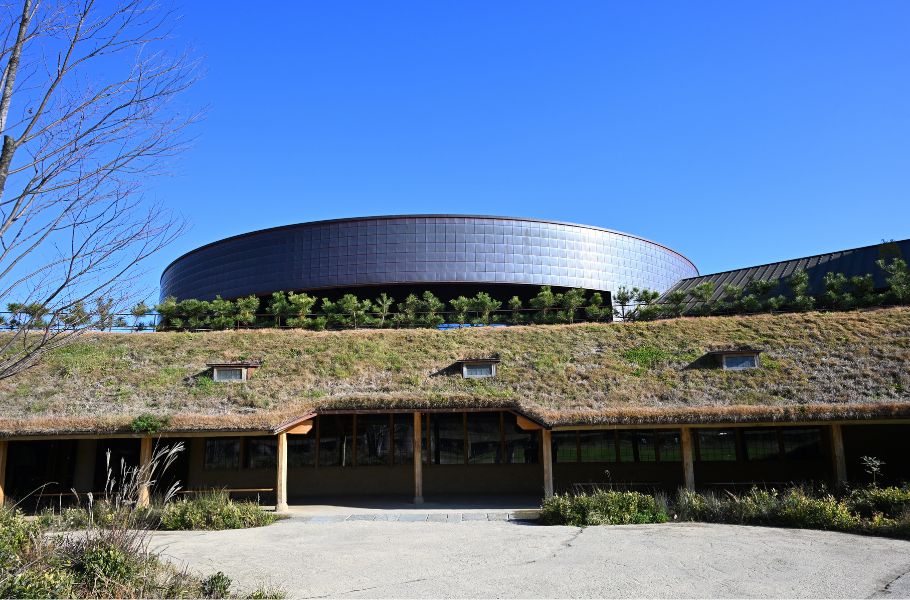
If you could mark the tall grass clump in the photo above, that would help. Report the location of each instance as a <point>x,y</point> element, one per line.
<point>603,508</point>
<point>214,510</point>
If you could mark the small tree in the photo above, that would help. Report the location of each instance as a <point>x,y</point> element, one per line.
<point>169,317</point>
<point>139,312</point>
<point>835,294</point>
<point>245,310</point>
<point>730,300</point>
<point>571,302</point>
<point>383,305</point>
<point>408,311</point>
<point>702,294</point>
<point>299,308</point>
<point>222,314</point>
<point>897,277</point>
<point>622,300</point>
<point>544,303</point>
<point>483,305</point>
<point>461,306</point>
<point>595,310</point>
<point>873,466</point>
<point>675,302</point>
<point>864,290</point>
<point>430,307</point>
<point>352,311</point>
<point>516,317</point>
<point>799,284</point>
<point>104,314</point>
<point>279,308</point>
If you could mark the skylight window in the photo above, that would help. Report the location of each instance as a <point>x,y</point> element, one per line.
<point>478,368</point>
<point>228,372</point>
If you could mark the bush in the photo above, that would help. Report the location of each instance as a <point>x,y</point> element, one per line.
<point>799,509</point>
<point>213,510</point>
<point>890,502</point>
<point>217,585</point>
<point>602,508</point>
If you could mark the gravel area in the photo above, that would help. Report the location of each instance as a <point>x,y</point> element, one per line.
<point>461,558</point>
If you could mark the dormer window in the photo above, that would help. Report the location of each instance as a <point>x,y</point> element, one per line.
<point>737,360</point>
<point>478,368</point>
<point>228,372</point>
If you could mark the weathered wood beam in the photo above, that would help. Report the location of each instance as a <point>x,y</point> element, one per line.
<point>281,481</point>
<point>547,448</point>
<point>838,458</point>
<point>418,458</point>
<point>688,458</point>
<point>145,470</point>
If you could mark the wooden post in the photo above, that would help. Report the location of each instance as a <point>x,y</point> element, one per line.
<point>688,461</point>
<point>281,482</point>
<point>838,458</point>
<point>418,458</point>
<point>4,450</point>
<point>547,448</point>
<point>145,469</point>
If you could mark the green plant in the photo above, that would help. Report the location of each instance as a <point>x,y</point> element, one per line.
<point>890,502</point>
<point>647,357</point>
<point>383,305</point>
<point>602,508</point>
<point>216,585</point>
<point>544,303</point>
<point>872,466</point>
<point>483,305</point>
<point>213,511</point>
<point>897,276</point>
<point>148,423</point>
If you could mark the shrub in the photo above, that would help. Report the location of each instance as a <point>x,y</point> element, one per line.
<point>213,511</point>
<point>148,423</point>
<point>217,585</point>
<point>602,508</point>
<point>890,502</point>
<point>799,509</point>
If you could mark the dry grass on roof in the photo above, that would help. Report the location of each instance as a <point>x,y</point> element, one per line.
<point>583,371</point>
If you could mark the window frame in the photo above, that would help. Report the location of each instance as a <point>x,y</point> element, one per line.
<point>727,357</point>
<point>216,371</point>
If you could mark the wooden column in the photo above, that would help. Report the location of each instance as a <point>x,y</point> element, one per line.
<point>4,450</point>
<point>547,452</point>
<point>145,468</point>
<point>418,458</point>
<point>281,481</point>
<point>688,460</point>
<point>838,459</point>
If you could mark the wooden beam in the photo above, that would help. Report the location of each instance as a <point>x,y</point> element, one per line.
<point>301,429</point>
<point>688,458</point>
<point>527,424</point>
<point>547,448</point>
<point>838,458</point>
<point>4,451</point>
<point>281,479</point>
<point>145,470</point>
<point>418,458</point>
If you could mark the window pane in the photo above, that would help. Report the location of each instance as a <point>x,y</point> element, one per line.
<point>521,446</point>
<point>716,444</point>
<point>645,441</point>
<point>626,447</point>
<point>802,443</point>
<point>740,362</point>
<point>761,444</point>
<point>261,453</point>
<point>670,449</point>
<point>404,439</point>
<point>374,439</point>
<point>478,370</point>
<point>302,450</point>
<point>565,448</point>
<point>228,374</point>
<point>598,446</point>
<point>336,440</point>
<point>447,439</point>
<point>484,438</point>
<point>222,453</point>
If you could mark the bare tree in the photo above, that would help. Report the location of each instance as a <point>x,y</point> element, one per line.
<point>87,115</point>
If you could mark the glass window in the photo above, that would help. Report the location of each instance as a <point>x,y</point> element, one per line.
<point>484,438</point>
<point>374,439</point>
<point>222,453</point>
<point>301,450</point>
<point>647,442</point>
<point>565,446</point>
<point>626,446</point>
<point>738,362</point>
<point>447,439</point>
<point>716,444</point>
<point>670,449</point>
<point>228,374</point>
<point>478,370</point>
<point>761,444</point>
<point>261,453</point>
<point>597,446</point>
<point>404,439</point>
<point>336,440</point>
<point>522,447</point>
<point>802,442</point>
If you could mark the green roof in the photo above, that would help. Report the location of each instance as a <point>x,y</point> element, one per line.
<point>814,366</point>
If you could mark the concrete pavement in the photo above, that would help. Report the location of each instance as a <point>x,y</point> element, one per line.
<point>471,558</point>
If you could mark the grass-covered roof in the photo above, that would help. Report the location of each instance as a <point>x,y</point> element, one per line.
<point>814,366</point>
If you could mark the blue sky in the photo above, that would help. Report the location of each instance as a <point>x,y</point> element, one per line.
<point>736,133</point>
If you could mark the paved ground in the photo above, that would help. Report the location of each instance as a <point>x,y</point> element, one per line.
<point>381,559</point>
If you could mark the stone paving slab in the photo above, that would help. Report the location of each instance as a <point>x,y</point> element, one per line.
<point>412,517</point>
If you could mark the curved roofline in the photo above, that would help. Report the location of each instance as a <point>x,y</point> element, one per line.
<point>422,216</point>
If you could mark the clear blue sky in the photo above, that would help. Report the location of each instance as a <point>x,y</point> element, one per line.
<point>736,133</point>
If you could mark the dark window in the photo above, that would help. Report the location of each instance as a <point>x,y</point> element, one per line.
<point>802,442</point>
<point>484,438</point>
<point>404,439</point>
<point>336,440</point>
<point>716,444</point>
<point>302,450</point>
<point>222,453</point>
<point>521,446</point>
<point>261,452</point>
<point>761,444</point>
<point>626,446</point>
<point>447,439</point>
<point>565,446</point>
<point>374,439</point>
<point>597,446</point>
<point>646,442</point>
<point>737,362</point>
<point>670,449</point>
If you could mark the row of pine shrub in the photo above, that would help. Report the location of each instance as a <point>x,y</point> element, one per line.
<point>301,310</point>
<point>869,510</point>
